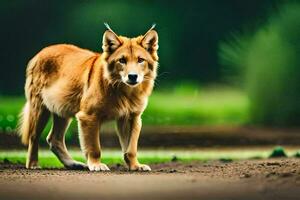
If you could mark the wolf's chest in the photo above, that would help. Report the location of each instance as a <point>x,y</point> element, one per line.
<point>116,108</point>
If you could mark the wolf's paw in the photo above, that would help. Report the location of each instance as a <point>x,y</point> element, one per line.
<point>140,167</point>
<point>75,165</point>
<point>33,165</point>
<point>98,167</point>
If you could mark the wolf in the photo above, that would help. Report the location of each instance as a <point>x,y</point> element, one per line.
<point>66,81</point>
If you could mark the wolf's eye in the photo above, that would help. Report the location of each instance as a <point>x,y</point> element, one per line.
<point>140,60</point>
<point>122,60</point>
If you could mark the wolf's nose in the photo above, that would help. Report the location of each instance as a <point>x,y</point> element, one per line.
<point>132,78</point>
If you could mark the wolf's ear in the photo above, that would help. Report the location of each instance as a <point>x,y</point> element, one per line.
<point>110,40</point>
<point>150,40</point>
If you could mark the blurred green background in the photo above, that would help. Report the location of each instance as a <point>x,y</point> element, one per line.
<point>221,62</point>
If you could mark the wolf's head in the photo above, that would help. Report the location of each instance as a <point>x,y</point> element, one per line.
<point>131,61</point>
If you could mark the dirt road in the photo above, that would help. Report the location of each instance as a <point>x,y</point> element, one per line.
<point>254,179</point>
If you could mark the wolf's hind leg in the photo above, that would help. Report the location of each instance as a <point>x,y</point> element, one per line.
<point>56,141</point>
<point>41,118</point>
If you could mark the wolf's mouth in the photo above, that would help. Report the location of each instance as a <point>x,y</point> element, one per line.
<point>132,83</point>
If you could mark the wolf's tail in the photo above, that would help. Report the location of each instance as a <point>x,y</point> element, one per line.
<point>33,108</point>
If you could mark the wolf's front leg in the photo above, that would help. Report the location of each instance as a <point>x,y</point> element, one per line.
<point>129,131</point>
<point>89,127</point>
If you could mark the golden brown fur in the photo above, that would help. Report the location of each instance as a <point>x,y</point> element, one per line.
<point>67,81</point>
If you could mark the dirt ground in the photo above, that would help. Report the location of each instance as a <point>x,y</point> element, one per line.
<point>252,179</point>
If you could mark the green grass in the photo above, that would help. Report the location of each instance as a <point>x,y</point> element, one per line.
<point>47,158</point>
<point>185,104</point>
<point>193,106</point>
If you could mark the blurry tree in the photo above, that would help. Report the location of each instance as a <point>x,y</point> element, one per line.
<point>189,31</point>
<point>269,64</point>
